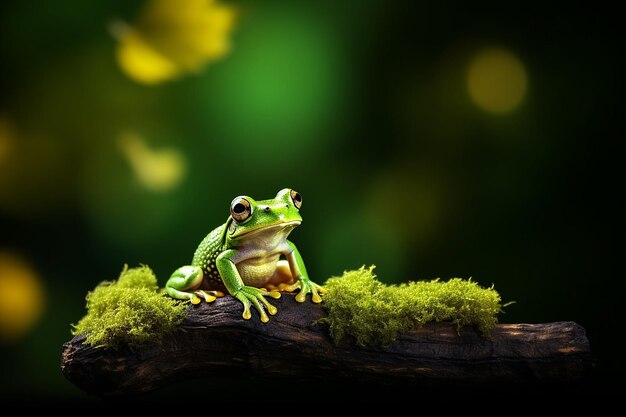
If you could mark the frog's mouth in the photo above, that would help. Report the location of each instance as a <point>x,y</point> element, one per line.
<point>265,228</point>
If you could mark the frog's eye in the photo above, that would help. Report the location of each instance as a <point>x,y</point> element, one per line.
<point>296,198</point>
<point>240,209</point>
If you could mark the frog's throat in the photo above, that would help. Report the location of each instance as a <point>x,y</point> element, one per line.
<point>262,228</point>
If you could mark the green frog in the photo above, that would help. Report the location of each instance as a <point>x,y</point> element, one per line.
<point>242,257</point>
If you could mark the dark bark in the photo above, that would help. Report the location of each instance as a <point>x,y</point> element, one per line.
<point>214,339</point>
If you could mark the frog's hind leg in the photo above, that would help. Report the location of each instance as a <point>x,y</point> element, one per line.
<point>282,277</point>
<point>283,280</point>
<point>184,282</point>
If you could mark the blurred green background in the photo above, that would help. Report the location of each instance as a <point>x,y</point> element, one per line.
<point>430,139</point>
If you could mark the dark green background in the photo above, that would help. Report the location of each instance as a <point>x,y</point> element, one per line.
<point>359,105</point>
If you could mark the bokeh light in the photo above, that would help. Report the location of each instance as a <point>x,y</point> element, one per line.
<point>173,38</point>
<point>21,296</point>
<point>496,80</point>
<point>139,60</point>
<point>158,170</point>
<point>6,138</point>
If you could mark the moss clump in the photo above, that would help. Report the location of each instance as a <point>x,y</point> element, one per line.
<point>129,311</point>
<point>373,313</point>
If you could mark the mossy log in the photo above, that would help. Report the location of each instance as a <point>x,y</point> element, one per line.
<point>215,340</point>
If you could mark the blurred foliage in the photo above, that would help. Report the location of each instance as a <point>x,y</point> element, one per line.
<point>129,312</point>
<point>431,139</point>
<point>362,308</point>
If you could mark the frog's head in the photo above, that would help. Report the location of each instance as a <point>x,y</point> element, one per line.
<point>248,216</point>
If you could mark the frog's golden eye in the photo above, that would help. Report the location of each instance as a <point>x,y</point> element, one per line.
<point>240,209</point>
<point>296,198</point>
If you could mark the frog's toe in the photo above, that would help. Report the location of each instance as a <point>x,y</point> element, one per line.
<point>320,289</point>
<point>274,294</point>
<point>246,305</point>
<point>316,292</point>
<point>271,291</point>
<point>290,287</point>
<point>206,295</point>
<point>250,296</point>
<point>260,309</point>
<point>194,299</point>
<point>270,308</point>
<point>301,297</point>
<point>307,286</point>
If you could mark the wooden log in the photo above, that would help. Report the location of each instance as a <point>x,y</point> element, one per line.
<point>215,340</point>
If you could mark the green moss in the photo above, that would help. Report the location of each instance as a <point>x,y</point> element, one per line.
<point>361,307</point>
<point>129,311</point>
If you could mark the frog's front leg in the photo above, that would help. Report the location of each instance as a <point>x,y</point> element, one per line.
<point>184,284</point>
<point>303,283</point>
<point>247,295</point>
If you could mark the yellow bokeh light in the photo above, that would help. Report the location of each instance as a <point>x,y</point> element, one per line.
<point>6,138</point>
<point>172,38</point>
<point>496,80</point>
<point>21,296</point>
<point>142,62</point>
<point>157,170</point>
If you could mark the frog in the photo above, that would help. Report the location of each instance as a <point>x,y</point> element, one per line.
<point>244,257</point>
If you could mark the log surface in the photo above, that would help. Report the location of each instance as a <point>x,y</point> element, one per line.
<point>215,340</point>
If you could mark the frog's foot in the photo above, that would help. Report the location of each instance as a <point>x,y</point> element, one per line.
<point>182,295</point>
<point>208,296</point>
<point>251,296</point>
<point>305,286</point>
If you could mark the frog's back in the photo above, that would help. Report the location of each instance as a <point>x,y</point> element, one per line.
<point>206,254</point>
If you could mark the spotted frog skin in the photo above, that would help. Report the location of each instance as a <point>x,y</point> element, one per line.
<point>242,257</point>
